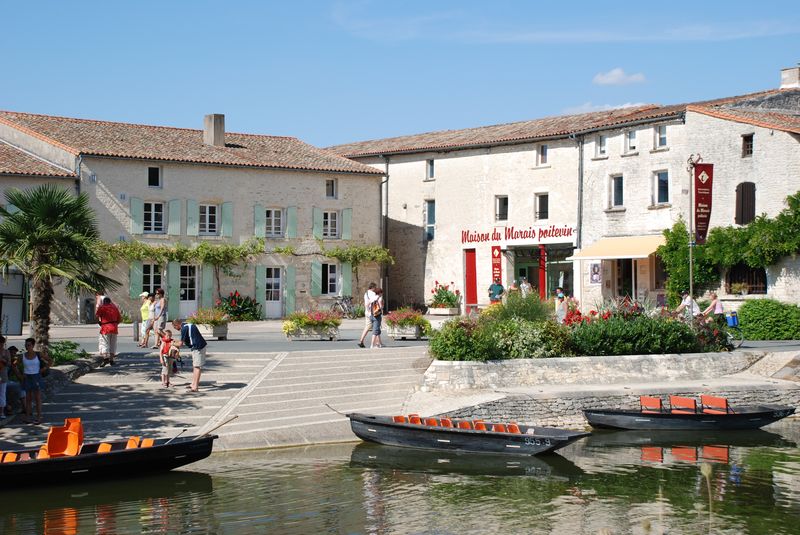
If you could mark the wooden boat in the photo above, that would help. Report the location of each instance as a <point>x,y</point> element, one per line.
<point>713,413</point>
<point>460,435</point>
<point>66,459</point>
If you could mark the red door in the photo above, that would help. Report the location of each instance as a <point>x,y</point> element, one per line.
<point>470,281</point>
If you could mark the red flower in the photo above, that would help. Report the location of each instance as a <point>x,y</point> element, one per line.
<point>233,302</point>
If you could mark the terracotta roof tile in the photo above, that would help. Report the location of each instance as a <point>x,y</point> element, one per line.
<point>16,162</point>
<point>123,140</point>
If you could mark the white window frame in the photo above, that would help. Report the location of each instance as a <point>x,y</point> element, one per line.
<point>204,220</point>
<point>160,177</point>
<point>430,222</point>
<point>329,285</point>
<point>660,133</point>
<point>601,146</point>
<point>151,221</point>
<point>273,221</point>
<point>541,155</point>
<point>151,278</point>
<point>331,188</point>
<point>613,196</point>
<point>630,141</point>
<point>430,170</point>
<point>537,205</point>
<point>656,182</point>
<point>330,224</point>
<point>497,214</point>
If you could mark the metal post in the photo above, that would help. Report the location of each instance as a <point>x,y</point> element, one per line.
<point>693,160</point>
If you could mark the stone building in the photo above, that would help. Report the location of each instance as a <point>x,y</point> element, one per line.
<point>575,201</point>
<point>162,185</point>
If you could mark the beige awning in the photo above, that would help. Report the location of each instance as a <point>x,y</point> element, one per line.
<point>623,247</point>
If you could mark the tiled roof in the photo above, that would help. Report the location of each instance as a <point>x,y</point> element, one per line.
<point>778,111</point>
<point>549,127</point>
<point>123,140</point>
<point>16,162</point>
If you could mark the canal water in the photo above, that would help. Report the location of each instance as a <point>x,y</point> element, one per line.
<point>609,483</point>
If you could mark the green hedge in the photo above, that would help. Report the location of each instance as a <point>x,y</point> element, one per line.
<point>640,335</point>
<point>767,319</point>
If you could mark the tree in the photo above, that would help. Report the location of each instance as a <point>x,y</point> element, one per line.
<point>47,233</point>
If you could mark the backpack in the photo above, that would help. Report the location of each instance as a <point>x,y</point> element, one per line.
<point>375,308</point>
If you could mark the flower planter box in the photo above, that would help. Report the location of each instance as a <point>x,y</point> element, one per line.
<point>318,333</point>
<point>444,311</point>
<point>409,331</point>
<point>220,332</point>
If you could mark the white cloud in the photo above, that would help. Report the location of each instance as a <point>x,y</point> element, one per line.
<point>587,107</point>
<point>617,76</point>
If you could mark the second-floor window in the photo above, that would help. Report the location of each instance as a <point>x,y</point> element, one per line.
<point>601,145</point>
<point>661,193</point>
<point>208,224</point>
<point>747,145</point>
<point>617,198</point>
<point>542,206</point>
<point>501,208</point>
<point>330,224</point>
<point>745,203</point>
<point>274,219</point>
<point>154,177</point>
<point>430,219</point>
<point>329,279</point>
<point>661,136</point>
<point>429,170</point>
<point>542,155</point>
<point>153,217</point>
<point>330,189</point>
<point>630,141</point>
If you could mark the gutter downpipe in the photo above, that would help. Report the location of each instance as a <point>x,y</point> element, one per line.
<point>384,213</point>
<point>78,165</point>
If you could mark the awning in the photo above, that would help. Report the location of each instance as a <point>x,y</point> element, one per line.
<point>623,247</point>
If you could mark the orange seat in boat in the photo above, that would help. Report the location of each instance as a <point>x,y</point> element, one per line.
<point>10,457</point>
<point>414,419</point>
<point>499,428</point>
<point>104,447</point>
<point>715,454</point>
<point>65,440</point>
<point>432,422</point>
<point>714,405</point>
<point>513,428</point>
<point>650,404</point>
<point>43,453</point>
<point>446,422</point>
<point>682,405</point>
<point>478,425</point>
<point>74,424</point>
<point>399,419</point>
<point>685,453</point>
<point>652,454</point>
<point>147,443</point>
<point>464,424</point>
<point>133,443</point>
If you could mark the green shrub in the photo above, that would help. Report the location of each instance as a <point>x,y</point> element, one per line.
<point>639,335</point>
<point>463,339</point>
<point>517,338</point>
<point>240,307</point>
<point>65,351</point>
<point>529,308</point>
<point>767,319</point>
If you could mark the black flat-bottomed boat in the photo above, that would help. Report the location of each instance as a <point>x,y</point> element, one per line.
<point>713,413</point>
<point>460,435</point>
<point>66,459</point>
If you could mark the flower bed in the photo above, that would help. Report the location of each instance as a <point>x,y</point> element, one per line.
<point>240,307</point>
<point>405,322</point>
<point>211,322</point>
<point>312,325</point>
<point>445,298</point>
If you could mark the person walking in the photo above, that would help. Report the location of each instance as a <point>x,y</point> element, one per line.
<point>108,317</point>
<point>150,301</point>
<point>496,291</point>
<point>376,308</point>
<point>525,287</point>
<point>190,337</point>
<point>369,296</point>
<point>144,315</point>
<point>159,316</point>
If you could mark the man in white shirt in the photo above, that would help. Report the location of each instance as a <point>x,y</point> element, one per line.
<point>369,297</point>
<point>689,305</point>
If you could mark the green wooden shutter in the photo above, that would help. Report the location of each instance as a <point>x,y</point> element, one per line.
<point>174,226</point>
<point>289,292</point>
<point>137,215</point>
<point>317,223</point>
<point>192,218</point>
<point>173,290</point>
<point>135,278</point>
<point>347,278</point>
<point>261,288</point>
<point>291,222</point>
<point>347,221</point>
<point>316,278</point>
<point>207,289</point>
<point>227,219</point>
<point>259,221</point>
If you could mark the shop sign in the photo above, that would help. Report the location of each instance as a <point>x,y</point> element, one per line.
<point>703,180</point>
<point>497,266</point>
<point>512,235</point>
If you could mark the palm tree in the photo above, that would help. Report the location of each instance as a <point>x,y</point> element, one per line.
<point>51,234</point>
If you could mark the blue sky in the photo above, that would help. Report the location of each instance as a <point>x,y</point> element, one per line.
<point>333,72</point>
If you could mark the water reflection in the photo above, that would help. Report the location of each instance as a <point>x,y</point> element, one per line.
<point>623,482</point>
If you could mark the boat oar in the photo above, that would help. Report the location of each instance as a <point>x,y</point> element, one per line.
<point>176,436</point>
<point>229,420</point>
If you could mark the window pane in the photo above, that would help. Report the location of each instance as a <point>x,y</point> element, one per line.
<point>662,136</point>
<point>330,224</point>
<point>663,187</point>
<point>543,208</point>
<point>154,177</point>
<point>502,208</point>
<point>430,219</point>
<point>632,140</point>
<point>543,155</point>
<point>330,189</point>
<point>429,170</point>
<point>618,201</point>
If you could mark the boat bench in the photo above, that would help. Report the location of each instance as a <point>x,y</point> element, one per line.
<point>477,425</point>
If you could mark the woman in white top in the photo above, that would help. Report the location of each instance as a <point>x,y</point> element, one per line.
<point>33,364</point>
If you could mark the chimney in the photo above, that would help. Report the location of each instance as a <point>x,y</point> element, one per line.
<point>790,78</point>
<point>214,131</point>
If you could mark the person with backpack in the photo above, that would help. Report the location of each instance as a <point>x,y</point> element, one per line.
<point>369,296</point>
<point>376,310</point>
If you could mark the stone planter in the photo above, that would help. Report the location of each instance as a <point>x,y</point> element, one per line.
<point>444,311</point>
<point>314,333</point>
<point>220,332</point>
<point>409,331</point>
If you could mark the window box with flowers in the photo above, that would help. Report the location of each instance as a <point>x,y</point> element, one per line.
<point>407,323</point>
<point>312,325</point>
<point>211,322</point>
<point>445,302</point>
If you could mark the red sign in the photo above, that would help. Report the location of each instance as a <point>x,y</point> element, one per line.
<point>497,267</point>
<point>703,180</point>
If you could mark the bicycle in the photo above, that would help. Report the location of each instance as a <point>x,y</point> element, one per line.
<point>734,332</point>
<point>344,306</point>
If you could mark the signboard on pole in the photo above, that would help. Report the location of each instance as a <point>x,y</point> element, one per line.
<point>703,184</point>
<point>497,266</point>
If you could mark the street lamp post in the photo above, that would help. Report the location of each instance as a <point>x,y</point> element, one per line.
<point>693,160</point>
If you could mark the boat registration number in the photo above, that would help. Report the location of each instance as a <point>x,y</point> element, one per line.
<point>530,441</point>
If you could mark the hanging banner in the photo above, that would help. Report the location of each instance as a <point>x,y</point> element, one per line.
<point>703,180</point>
<point>497,267</point>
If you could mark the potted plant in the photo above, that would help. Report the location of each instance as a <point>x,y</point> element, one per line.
<point>312,325</point>
<point>445,302</point>
<point>212,322</point>
<point>739,288</point>
<point>405,322</point>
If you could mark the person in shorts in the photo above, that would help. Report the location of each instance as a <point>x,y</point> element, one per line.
<point>190,337</point>
<point>369,297</point>
<point>15,394</point>
<point>108,317</point>
<point>159,315</point>
<point>33,364</point>
<point>169,352</point>
<point>376,309</point>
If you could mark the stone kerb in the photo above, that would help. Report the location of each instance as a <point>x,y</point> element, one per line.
<point>458,375</point>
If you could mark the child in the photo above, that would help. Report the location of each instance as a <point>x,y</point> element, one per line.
<point>169,353</point>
